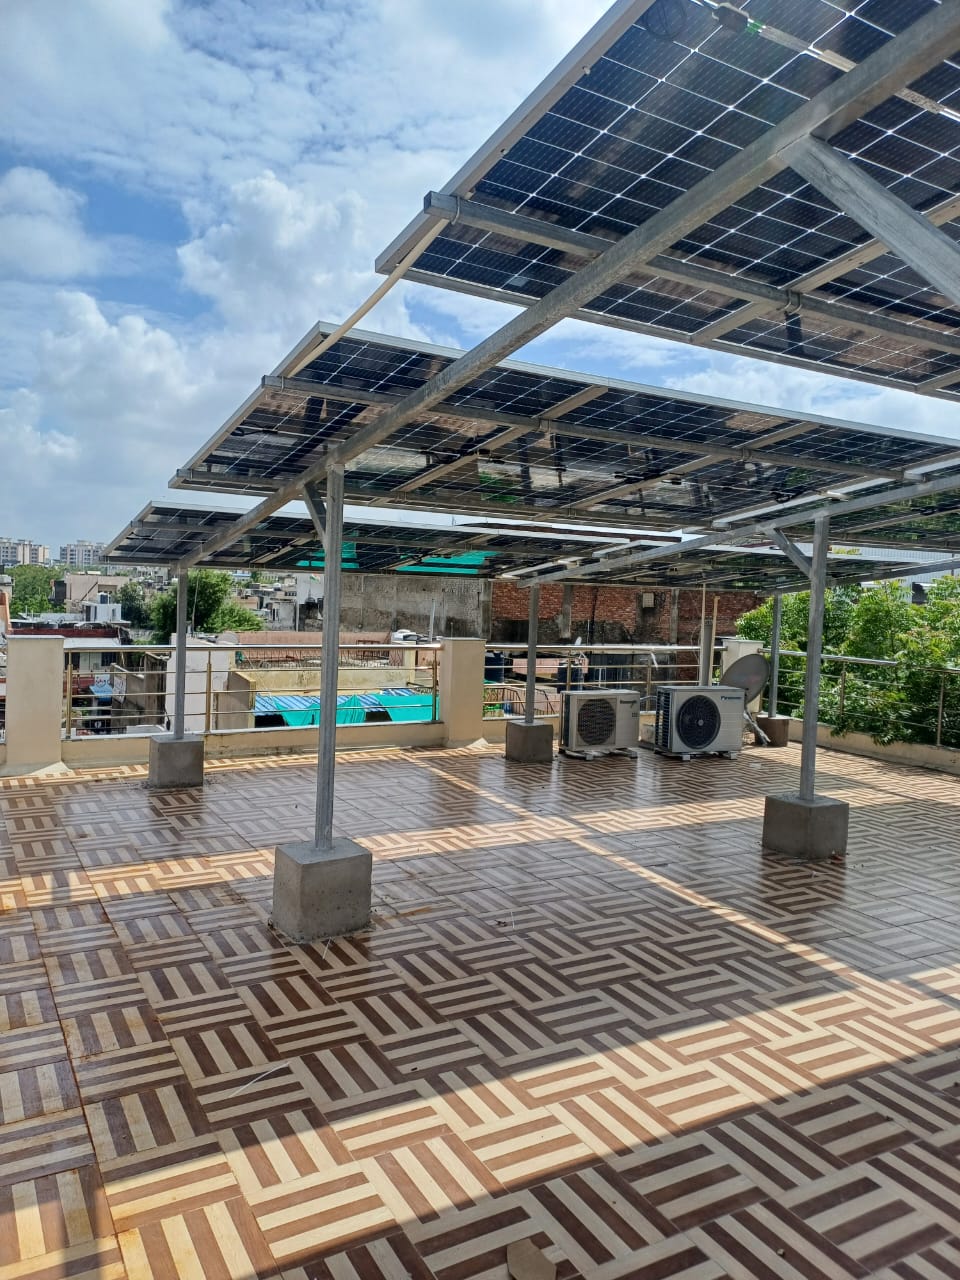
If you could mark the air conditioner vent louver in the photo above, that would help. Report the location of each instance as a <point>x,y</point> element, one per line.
<point>596,721</point>
<point>698,722</point>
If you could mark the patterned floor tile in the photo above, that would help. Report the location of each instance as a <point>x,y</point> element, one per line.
<point>147,1186</point>
<point>390,1258</point>
<point>866,1217</point>
<point>37,1091</point>
<point>223,1048</point>
<point>57,1212</point>
<point>282,1148</point>
<point>43,1145</point>
<point>91,1260</point>
<point>585,1014</point>
<point>133,1122</point>
<point>519,1151</point>
<point>218,1241</point>
<point>305,1220</point>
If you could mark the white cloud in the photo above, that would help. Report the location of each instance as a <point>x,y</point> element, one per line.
<point>41,233</point>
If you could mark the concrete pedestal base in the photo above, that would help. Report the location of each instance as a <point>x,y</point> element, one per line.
<point>777,729</point>
<point>814,828</point>
<point>529,743</point>
<point>175,762</point>
<point>321,893</point>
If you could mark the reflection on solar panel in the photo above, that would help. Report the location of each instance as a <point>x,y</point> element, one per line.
<point>531,442</point>
<point>929,523</point>
<point>655,104</point>
<point>164,533</point>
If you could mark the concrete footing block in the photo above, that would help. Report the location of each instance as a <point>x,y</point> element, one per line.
<point>777,729</point>
<point>813,829</point>
<point>321,893</point>
<point>529,743</point>
<point>175,762</point>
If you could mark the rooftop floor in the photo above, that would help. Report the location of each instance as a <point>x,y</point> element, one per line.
<point>589,1012</point>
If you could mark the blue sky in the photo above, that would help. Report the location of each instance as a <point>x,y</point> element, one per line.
<point>185,187</point>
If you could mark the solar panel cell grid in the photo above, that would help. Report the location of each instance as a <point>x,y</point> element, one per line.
<point>653,115</point>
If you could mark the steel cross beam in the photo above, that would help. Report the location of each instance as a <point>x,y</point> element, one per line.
<point>925,248</point>
<point>761,297</point>
<point>924,44</point>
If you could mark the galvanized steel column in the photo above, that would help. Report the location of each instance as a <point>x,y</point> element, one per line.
<point>330,657</point>
<point>811,689</point>
<point>775,653</point>
<point>533,624</point>
<point>180,675</point>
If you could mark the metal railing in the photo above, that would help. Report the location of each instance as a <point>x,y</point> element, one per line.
<point>124,689</point>
<point>563,668</point>
<point>891,701</point>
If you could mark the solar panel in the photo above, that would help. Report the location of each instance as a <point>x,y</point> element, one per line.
<point>532,442</point>
<point>164,533</point>
<point>644,114</point>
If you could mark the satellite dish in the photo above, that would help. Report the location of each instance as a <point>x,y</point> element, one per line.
<point>749,673</point>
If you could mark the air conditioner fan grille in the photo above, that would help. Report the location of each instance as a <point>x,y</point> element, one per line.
<point>596,721</point>
<point>698,722</point>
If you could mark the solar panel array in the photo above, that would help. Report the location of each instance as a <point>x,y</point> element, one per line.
<point>164,533</point>
<point>659,109</point>
<point>526,442</point>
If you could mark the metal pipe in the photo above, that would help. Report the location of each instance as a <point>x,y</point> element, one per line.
<point>940,702</point>
<point>533,626</point>
<point>180,674</point>
<point>811,689</point>
<point>330,657</point>
<point>775,653</point>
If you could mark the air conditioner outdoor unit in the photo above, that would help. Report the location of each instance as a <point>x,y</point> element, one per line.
<point>598,723</point>
<point>695,720</point>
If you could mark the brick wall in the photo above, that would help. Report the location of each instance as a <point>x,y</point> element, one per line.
<point>616,614</point>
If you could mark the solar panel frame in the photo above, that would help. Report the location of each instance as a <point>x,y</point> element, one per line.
<point>666,459</point>
<point>783,232</point>
<point>164,532</point>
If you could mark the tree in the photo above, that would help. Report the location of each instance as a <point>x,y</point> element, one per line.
<point>208,607</point>
<point>912,694</point>
<point>133,604</point>
<point>32,588</point>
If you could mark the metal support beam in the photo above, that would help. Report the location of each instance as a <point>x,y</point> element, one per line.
<point>929,251</point>
<point>760,298</point>
<point>180,674</point>
<point>792,552</point>
<point>533,629</point>
<point>330,658</point>
<point>811,688</point>
<point>316,505</point>
<point>775,653</point>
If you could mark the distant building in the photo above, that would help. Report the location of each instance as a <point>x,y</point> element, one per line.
<point>14,551</point>
<point>82,554</point>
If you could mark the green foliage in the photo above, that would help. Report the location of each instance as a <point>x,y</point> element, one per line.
<point>133,604</point>
<point>32,588</point>
<point>901,702</point>
<point>209,610</point>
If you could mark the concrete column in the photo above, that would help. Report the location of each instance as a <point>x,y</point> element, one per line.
<point>35,683</point>
<point>461,690</point>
